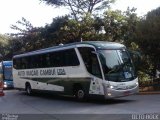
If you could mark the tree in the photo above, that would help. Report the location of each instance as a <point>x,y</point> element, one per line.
<point>114,21</point>
<point>121,26</point>
<point>31,38</point>
<point>28,37</point>
<point>81,7</point>
<point>53,33</point>
<point>148,36</point>
<point>25,29</point>
<point>5,47</point>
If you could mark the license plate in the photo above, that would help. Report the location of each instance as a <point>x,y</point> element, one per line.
<point>127,75</point>
<point>127,93</point>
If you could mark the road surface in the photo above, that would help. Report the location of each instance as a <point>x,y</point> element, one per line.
<point>17,102</point>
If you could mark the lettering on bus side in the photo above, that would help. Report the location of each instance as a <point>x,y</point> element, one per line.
<point>32,73</point>
<point>21,73</point>
<point>61,72</point>
<point>48,72</point>
<point>42,72</point>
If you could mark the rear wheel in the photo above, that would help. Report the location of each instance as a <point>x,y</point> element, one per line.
<point>28,89</point>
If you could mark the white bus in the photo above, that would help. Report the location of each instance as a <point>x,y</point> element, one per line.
<point>90,68</point>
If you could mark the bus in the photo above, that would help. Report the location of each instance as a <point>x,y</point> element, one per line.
<point>1,81</point>
<point>7,74</point>
<point>82,69</point>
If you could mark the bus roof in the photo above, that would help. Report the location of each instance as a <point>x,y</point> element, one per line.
<point>104,44</point>
<point>97,44</point>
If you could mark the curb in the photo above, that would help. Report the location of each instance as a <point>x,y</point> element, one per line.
<point>148,93</point>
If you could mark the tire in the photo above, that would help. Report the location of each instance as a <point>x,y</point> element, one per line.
<point>28,89</point>
<point>80,94</point>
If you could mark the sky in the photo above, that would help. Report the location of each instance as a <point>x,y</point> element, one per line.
<point>40,14</point>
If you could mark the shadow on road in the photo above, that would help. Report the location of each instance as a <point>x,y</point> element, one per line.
<point>73,99</point>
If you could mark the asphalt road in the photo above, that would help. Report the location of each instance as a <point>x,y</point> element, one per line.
<point>17,102</point>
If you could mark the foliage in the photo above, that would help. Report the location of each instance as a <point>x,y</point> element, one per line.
<point>124,27</point>
<point>75,31</point>
<point>5,46</point>
<point>138,34</point>
<point>80,7</point>
<point>120,26</point>
<point>148,37</point>
<point>66,30</point>
<point>53,33</point>
<point>28,38</point>
<point>113,23</point>
<point>143,77</point>
<point>26,27</point>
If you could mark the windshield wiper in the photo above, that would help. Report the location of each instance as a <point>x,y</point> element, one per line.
<point>115,68</point>
<point>119,67</point>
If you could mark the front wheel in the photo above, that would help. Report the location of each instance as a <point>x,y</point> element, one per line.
<point>80,94</point>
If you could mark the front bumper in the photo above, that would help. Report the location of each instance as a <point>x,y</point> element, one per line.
<point>111,93</point>
<point>8,85</point>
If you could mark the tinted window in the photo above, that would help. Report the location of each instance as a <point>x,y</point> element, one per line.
<point>51,59</point>
<point>64,58</point>
<point>90,61</point>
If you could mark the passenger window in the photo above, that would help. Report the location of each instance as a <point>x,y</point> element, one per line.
<point>64,58</point>
<point>53,59</point>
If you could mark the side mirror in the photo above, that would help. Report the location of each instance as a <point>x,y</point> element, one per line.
<point>94,52</point>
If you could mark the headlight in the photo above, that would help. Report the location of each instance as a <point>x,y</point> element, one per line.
<point>5,86</point>
<point>109,94</point>
<point>5,83</point>
<point>113,87</point>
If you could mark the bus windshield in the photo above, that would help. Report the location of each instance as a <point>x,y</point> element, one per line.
<point>117,65</point>
<point>8,73</point>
